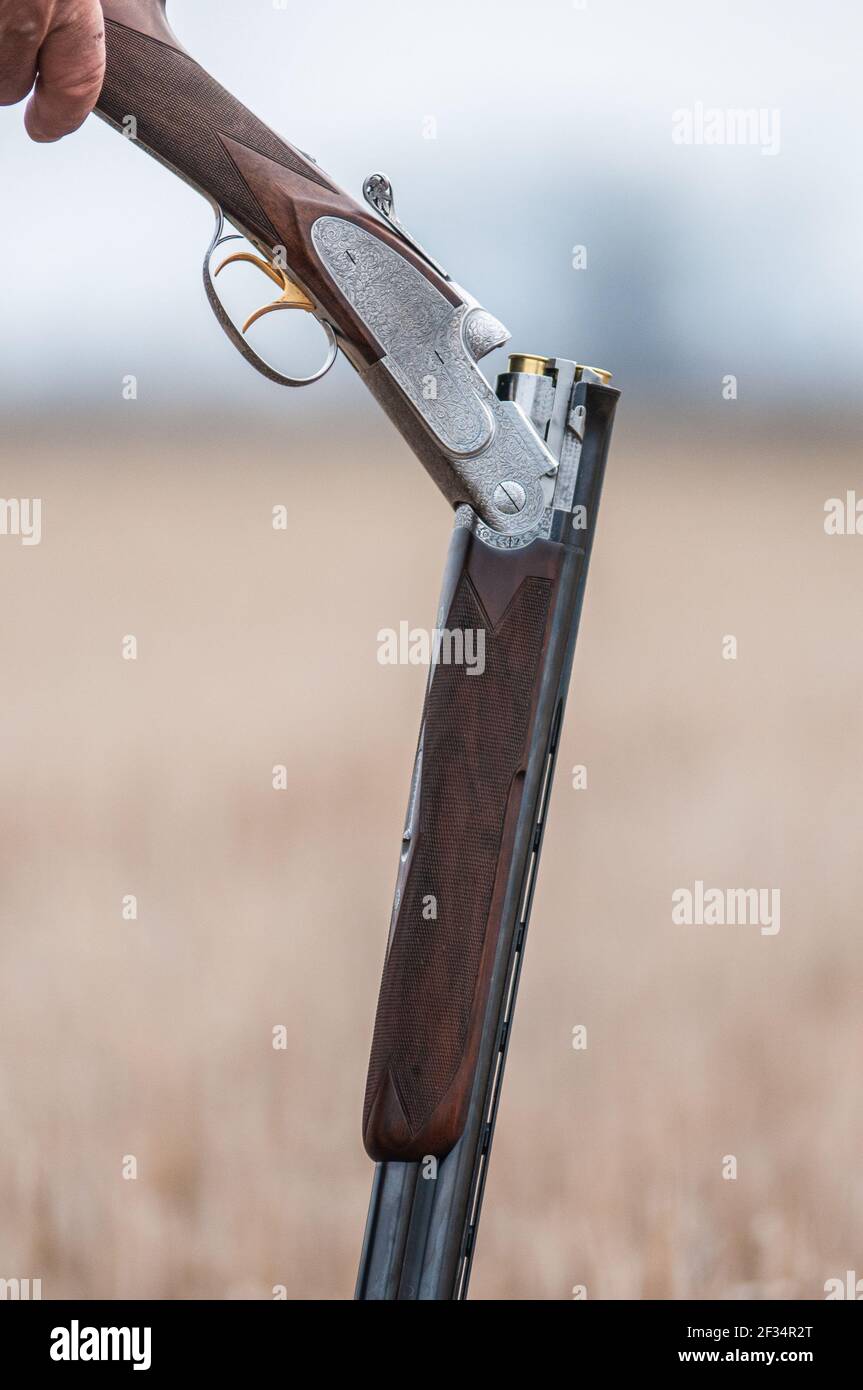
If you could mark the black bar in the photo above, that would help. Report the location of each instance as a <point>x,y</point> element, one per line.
<point>221,1339</point>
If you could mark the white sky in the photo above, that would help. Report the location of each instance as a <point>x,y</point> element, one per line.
<point>554,128</point>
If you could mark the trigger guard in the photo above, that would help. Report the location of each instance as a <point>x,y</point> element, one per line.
<point>236,337</point>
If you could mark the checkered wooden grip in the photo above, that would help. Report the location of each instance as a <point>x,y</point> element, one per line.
<point>166,102</point>
<point>476,732</point>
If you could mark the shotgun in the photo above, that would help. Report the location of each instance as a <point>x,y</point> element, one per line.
<point>522,466</point>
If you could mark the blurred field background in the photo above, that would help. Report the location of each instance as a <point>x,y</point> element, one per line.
<point>260,908</point>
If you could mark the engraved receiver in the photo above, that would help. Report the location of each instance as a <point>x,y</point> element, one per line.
<point>408,329</point>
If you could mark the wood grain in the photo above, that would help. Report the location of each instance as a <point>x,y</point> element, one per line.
<point>267,188</point>
<point>437,971</point>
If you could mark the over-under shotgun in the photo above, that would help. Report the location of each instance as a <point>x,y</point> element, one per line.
<point>522,465</point>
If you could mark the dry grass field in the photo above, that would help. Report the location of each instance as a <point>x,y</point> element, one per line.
<point>259,908</point>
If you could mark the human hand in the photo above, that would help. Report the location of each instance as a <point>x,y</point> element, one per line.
<point>60,46</point>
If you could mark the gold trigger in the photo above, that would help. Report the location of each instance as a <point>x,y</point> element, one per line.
<point>292,296</point>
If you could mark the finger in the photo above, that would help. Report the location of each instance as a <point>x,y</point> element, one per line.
<point>71,72</point>
<point>23,26</point>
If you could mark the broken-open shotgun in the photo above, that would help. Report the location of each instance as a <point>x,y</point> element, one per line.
<point>522,465</point>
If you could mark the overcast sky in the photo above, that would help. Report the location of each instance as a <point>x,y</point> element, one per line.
<point>554,129</point>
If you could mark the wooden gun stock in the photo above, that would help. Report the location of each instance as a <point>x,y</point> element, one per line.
<point>270,191</point>
<point>475,745</point>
